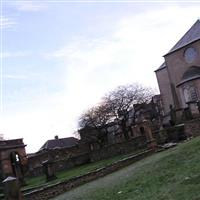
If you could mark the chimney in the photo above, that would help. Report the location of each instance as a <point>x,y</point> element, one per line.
<point>56,137</point>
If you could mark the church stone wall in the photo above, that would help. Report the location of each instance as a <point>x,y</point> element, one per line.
<point>177,66</point>
<point>197,85</point>
<point>165,90</point>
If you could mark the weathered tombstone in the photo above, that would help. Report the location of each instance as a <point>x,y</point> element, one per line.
<point>49,170</point>
<point>12,189</point>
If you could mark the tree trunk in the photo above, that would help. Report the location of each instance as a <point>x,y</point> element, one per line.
<point>124,129</point>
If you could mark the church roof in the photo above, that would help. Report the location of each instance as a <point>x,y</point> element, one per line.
<point>161,67</point>
<point>190,36</point>
<point>59,143</point>
<point>191,74</point>
<point>193,34</point>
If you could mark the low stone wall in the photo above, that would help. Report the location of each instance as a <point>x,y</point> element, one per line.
<point>170,134</point>
<point>72,162</point>
<point>134,144</point>
<point>45,193</point>
<point>192,127</point>
<point>62,164</point>
<point>178,132</point>
<point>61,156</point>
<point>109,151</point>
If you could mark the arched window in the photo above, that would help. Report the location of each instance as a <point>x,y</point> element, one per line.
<point>142,131</point>
<point>190,93</point>
<point>186,94</point>
<point>16,163</point>
<point>193,94</point>
<point>14,156</point>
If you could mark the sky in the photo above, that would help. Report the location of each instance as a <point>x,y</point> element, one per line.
<point>59,58</point>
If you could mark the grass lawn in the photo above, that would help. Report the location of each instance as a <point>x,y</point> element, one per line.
<point>170,175</point>
<point>77,171</point>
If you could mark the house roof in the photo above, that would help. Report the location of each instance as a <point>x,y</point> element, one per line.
<point>191,74</point>
<point>59,143</point>
<point>193,34</point>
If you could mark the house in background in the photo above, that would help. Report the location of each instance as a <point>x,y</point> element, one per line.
<point>59,150</point>
<point>59,143</point>
<point>179,76</point>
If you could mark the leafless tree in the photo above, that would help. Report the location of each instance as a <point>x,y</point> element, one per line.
<point>115,106</point>
<point>124,99</point>
<point>94,122</point>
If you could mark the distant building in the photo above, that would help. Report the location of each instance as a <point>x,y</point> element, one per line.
<point>60,150</point>
<point>179,76</point>
<point>59,143</point>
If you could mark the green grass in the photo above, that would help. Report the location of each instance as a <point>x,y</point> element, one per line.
<point>170,175</point>
<point>77,171</point>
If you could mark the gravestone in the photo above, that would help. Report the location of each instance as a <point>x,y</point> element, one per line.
<point>49,170</point>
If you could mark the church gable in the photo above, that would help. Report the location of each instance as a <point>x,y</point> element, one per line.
<point>192,35</point>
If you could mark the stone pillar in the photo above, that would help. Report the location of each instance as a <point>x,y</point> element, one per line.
<point>6,165</point>
<point>12,189</point>
<point>150,139</point>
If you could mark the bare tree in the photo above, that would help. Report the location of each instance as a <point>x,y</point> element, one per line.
<point>116,106</point>
<point>94,121</point>
<point>124,99</point>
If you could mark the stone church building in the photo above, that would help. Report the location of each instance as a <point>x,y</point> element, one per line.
<point>179,76</point>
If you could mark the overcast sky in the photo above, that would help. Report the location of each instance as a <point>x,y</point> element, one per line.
<point>59,58</point>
